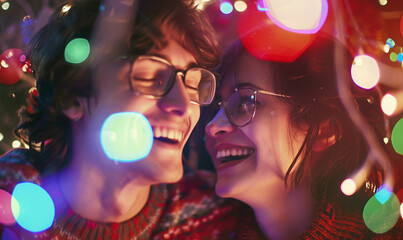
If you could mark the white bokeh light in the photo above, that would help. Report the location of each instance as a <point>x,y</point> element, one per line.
<point>365,71</point>
<point>348,187</point>
<point>16,144</point>
<point>301,16</point>
<point>388,104</point>
<point>240,5</point>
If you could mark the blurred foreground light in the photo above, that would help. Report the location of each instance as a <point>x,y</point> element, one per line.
<point>393,56</point>
<point>365,71</point>
<point>388,104</point>
<point>33,209</point>
<point>127,136</point>
<point>386,48</point>
<point>240,6</point>
<point>383,194</point>
<point>381,217</point>
<point>6,215</point>
<point>390,42</point>
<point>16,144</point>
<point>397,137</point>
<point>300,16</point>
<point>5,6</point>
<point>401,26</point>
<point>77,50</point>
<point>226,7</point>
<point>66,8</point>
<point>1,137</point>
<point>348,187</point>
<point>265,40</point>
<point>383,2</point>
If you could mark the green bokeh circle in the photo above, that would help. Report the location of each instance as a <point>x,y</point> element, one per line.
<point>380,218</point>
<point>397,137</point>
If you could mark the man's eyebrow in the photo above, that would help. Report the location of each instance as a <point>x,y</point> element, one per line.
<point>190,65</point>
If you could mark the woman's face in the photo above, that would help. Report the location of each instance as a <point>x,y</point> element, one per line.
<point>253,159</point>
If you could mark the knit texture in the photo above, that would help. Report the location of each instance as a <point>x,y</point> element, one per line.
<point>189,209</point>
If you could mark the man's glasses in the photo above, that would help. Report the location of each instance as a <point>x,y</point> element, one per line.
<point>240,107</point>
<point>154,76</point>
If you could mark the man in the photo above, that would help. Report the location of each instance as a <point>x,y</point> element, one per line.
<point>159,69</point>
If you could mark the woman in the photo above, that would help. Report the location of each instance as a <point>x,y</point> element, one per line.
<point>282,142</point>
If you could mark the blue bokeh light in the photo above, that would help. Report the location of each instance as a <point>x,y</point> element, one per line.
<point>33,209</point>
<point>127,136</point>
<point>226,7</point>
<point>383,194</point>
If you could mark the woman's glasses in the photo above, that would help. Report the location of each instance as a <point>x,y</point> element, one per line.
<point>154,76</point>
<point>240,107</point>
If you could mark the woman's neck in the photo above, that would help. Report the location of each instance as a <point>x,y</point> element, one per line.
<point>286,215</point>
<point>102,196</point>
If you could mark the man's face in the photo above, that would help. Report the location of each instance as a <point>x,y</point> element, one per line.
<point>172,116</point>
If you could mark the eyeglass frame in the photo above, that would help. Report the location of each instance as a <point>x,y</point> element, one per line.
<point>171,81</point>
<point>255,91</point>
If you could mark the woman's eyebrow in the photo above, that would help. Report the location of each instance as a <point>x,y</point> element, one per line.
<point>247,84</point>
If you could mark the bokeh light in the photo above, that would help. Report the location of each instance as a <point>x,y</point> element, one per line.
<point>386,48</point>
<point>6,215</point>
<point>365,71</point>
<point>265,40</point>
<point>226,7</point>
<point>393,56</point>
<point>300,16</point>
<point>390,42</point>
<point>399,57</point>
<point>66,8</point>
<point>399,195</point>
<point>1,137</point>
<point>77,50</point>
<point>11,66</point>
<point>348,187</point>
<point>126,136</point>
<point>36,208</point>
<point>397,137</point>
<point>388,104</point>
<point>5,6</point>
<point>383,2</point>
<point>240,5</point>
<point>401,210</point>
<point>401,26</point>
<point>379,217</point>
<point>383,194</point>
<point>16,144</point>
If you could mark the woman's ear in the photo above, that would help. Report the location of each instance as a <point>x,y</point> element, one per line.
<point>329,133</point>
<point>76,111</point>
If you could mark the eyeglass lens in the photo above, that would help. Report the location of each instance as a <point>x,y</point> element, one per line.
<point>151,76</point>
<point>240,107</point>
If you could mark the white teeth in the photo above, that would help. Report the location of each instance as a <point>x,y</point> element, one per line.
<point>233,152</point>
<point>172,134</point>
<point>157,132</point>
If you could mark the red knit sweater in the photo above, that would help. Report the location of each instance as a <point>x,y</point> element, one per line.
<point>189,209</point>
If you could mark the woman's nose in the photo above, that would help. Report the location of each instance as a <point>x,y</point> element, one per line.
<point>219,125</point>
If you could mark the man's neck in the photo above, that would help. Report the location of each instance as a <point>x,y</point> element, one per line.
<point>98,197</point>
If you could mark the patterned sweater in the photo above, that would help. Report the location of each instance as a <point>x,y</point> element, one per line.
<point>188,209</point>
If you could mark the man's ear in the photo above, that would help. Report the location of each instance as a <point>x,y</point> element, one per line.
<point>329,133</point>
<point>76,111</point>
